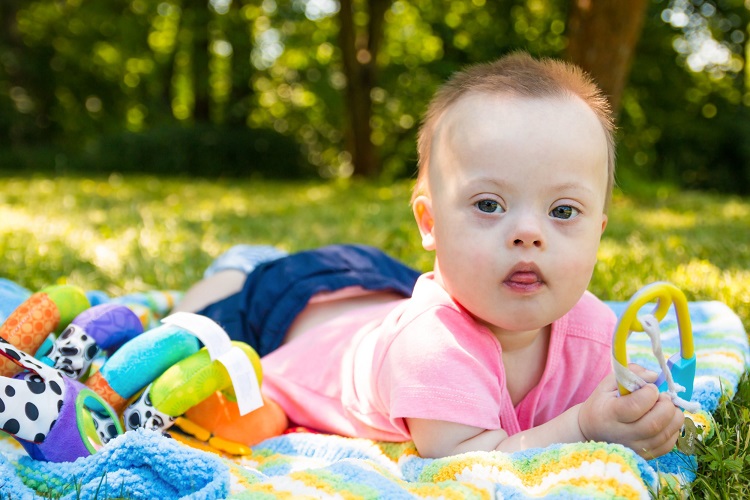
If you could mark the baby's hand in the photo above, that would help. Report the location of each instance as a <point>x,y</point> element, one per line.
<point>645,420</point>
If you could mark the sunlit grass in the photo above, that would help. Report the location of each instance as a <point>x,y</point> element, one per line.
<point>699,242</point>
<point>143,232</point>
<point>126,234</point>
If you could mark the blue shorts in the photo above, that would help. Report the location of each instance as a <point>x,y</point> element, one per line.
<point>276,291</point>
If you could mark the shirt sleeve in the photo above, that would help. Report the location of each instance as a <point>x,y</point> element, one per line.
<point>441,366</point>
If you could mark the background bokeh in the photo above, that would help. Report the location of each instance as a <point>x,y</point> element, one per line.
<point>328,88</point>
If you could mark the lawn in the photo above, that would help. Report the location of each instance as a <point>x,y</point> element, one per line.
<point>126,234</point>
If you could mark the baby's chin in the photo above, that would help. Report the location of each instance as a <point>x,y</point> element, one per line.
<point>510,329</point>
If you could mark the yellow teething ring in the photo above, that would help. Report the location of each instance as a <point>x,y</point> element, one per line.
<point>665,294</point>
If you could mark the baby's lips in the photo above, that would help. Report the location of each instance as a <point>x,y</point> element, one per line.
<point>525,273</point>
<point>525,277</point>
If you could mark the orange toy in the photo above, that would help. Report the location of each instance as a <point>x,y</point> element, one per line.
<point>217,421</point>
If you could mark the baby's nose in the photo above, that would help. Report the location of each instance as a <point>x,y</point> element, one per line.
<point>527,232</point>
<point>532,241</point>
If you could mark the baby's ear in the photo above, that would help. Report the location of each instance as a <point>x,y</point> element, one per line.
<point>422,208</point>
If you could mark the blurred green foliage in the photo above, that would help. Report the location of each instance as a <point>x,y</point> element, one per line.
<point>201,150</point>
<point>198,150</point>
<point>76,78</point>
<point>685,115</point>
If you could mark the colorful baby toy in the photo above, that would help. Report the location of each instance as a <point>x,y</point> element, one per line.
<point>184,385</point>
<point>137,363</point>
<point>678,373</point>
<point>149,377</point>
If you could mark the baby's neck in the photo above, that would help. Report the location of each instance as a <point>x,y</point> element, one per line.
<point>521,341</point>
<point>524,361</point>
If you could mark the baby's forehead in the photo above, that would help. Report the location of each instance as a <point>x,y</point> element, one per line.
<point>489,125</point>
<point>478,112</point>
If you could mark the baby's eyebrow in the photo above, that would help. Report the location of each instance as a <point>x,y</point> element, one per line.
<point>484,181</point>
<point>500,184</point>
<point>572,186</point>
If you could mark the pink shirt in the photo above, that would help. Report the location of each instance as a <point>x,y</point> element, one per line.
<point>425,357</point>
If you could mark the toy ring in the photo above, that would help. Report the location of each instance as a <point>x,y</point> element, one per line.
<point>184,385</point>
<point>139,362</point>
<point>682,364</point>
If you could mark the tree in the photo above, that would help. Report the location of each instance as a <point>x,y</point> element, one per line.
<point>359,52</point>
<point>602,37</point>
<point>197,19</point>
<point>239,36</point>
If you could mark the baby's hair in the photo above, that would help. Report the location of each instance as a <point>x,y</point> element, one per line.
<point>517,74</point>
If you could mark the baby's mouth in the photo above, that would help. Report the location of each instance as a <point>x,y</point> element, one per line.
<point>524,277</point>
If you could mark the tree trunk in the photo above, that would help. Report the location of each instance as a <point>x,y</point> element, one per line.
<point>242,70</point>
<point>34,77</point>
<point>167,75</point>
<point>602,37</point>
<point>359,53</point>
<point>196,21</point>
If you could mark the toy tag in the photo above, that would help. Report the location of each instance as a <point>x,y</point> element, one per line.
<point>220,348</point>
<point>688,435</point>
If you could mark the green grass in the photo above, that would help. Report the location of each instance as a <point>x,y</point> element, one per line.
<point>127,234</point>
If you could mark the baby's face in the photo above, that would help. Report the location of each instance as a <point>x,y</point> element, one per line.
<point>515,206</point>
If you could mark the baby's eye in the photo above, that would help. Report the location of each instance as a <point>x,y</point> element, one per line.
<point>564,212</point>
<point>489,206</point>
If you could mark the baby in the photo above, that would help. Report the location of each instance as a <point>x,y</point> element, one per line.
<point>500,347</point>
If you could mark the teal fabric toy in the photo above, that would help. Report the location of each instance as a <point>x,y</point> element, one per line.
<point>140,361</point>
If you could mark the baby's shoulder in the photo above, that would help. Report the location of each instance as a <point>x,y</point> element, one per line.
<point>435,322</point>
<point>431,323</point>
<point>441,339</point>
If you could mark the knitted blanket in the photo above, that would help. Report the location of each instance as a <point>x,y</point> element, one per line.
<point>143,464</point>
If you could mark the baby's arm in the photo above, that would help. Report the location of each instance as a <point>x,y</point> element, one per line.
<point>644,420</point>
<point>435,438</point>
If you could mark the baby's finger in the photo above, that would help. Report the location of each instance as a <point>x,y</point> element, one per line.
<point>671,415</point>
<point>661,422</point>
<point>635,405</point>
<point>642,372</point>
<point>665,439</point>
